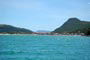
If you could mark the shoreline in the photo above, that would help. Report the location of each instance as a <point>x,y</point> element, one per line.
<point>41,35</point>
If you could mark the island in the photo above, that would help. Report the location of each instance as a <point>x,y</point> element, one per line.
<point>73,26</point>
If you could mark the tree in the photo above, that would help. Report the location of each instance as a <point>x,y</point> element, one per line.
<point>87,32</point>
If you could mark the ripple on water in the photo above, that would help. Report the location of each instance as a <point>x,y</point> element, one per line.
<point>44,48</point>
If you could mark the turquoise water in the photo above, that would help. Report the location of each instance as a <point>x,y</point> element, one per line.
<point>27,47</point>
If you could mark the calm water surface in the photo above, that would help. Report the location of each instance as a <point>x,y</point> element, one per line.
<point>27,47</point>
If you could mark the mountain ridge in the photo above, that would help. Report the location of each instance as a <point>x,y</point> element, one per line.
<point>73,25</point>
<point>4,28</point>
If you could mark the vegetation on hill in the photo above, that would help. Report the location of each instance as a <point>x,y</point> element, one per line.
<point>13,30</point>
<point>73,25</point>
<point>87,33</point>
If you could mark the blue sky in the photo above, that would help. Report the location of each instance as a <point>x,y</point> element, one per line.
<point>42,14</point>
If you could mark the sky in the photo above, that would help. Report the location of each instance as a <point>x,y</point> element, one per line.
<point>42,14</point>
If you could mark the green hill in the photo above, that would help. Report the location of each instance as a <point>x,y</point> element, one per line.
<point>13,30</point>
<point>73,25</point>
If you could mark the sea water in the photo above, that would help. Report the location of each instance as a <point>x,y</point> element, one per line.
<point>29,47</point>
